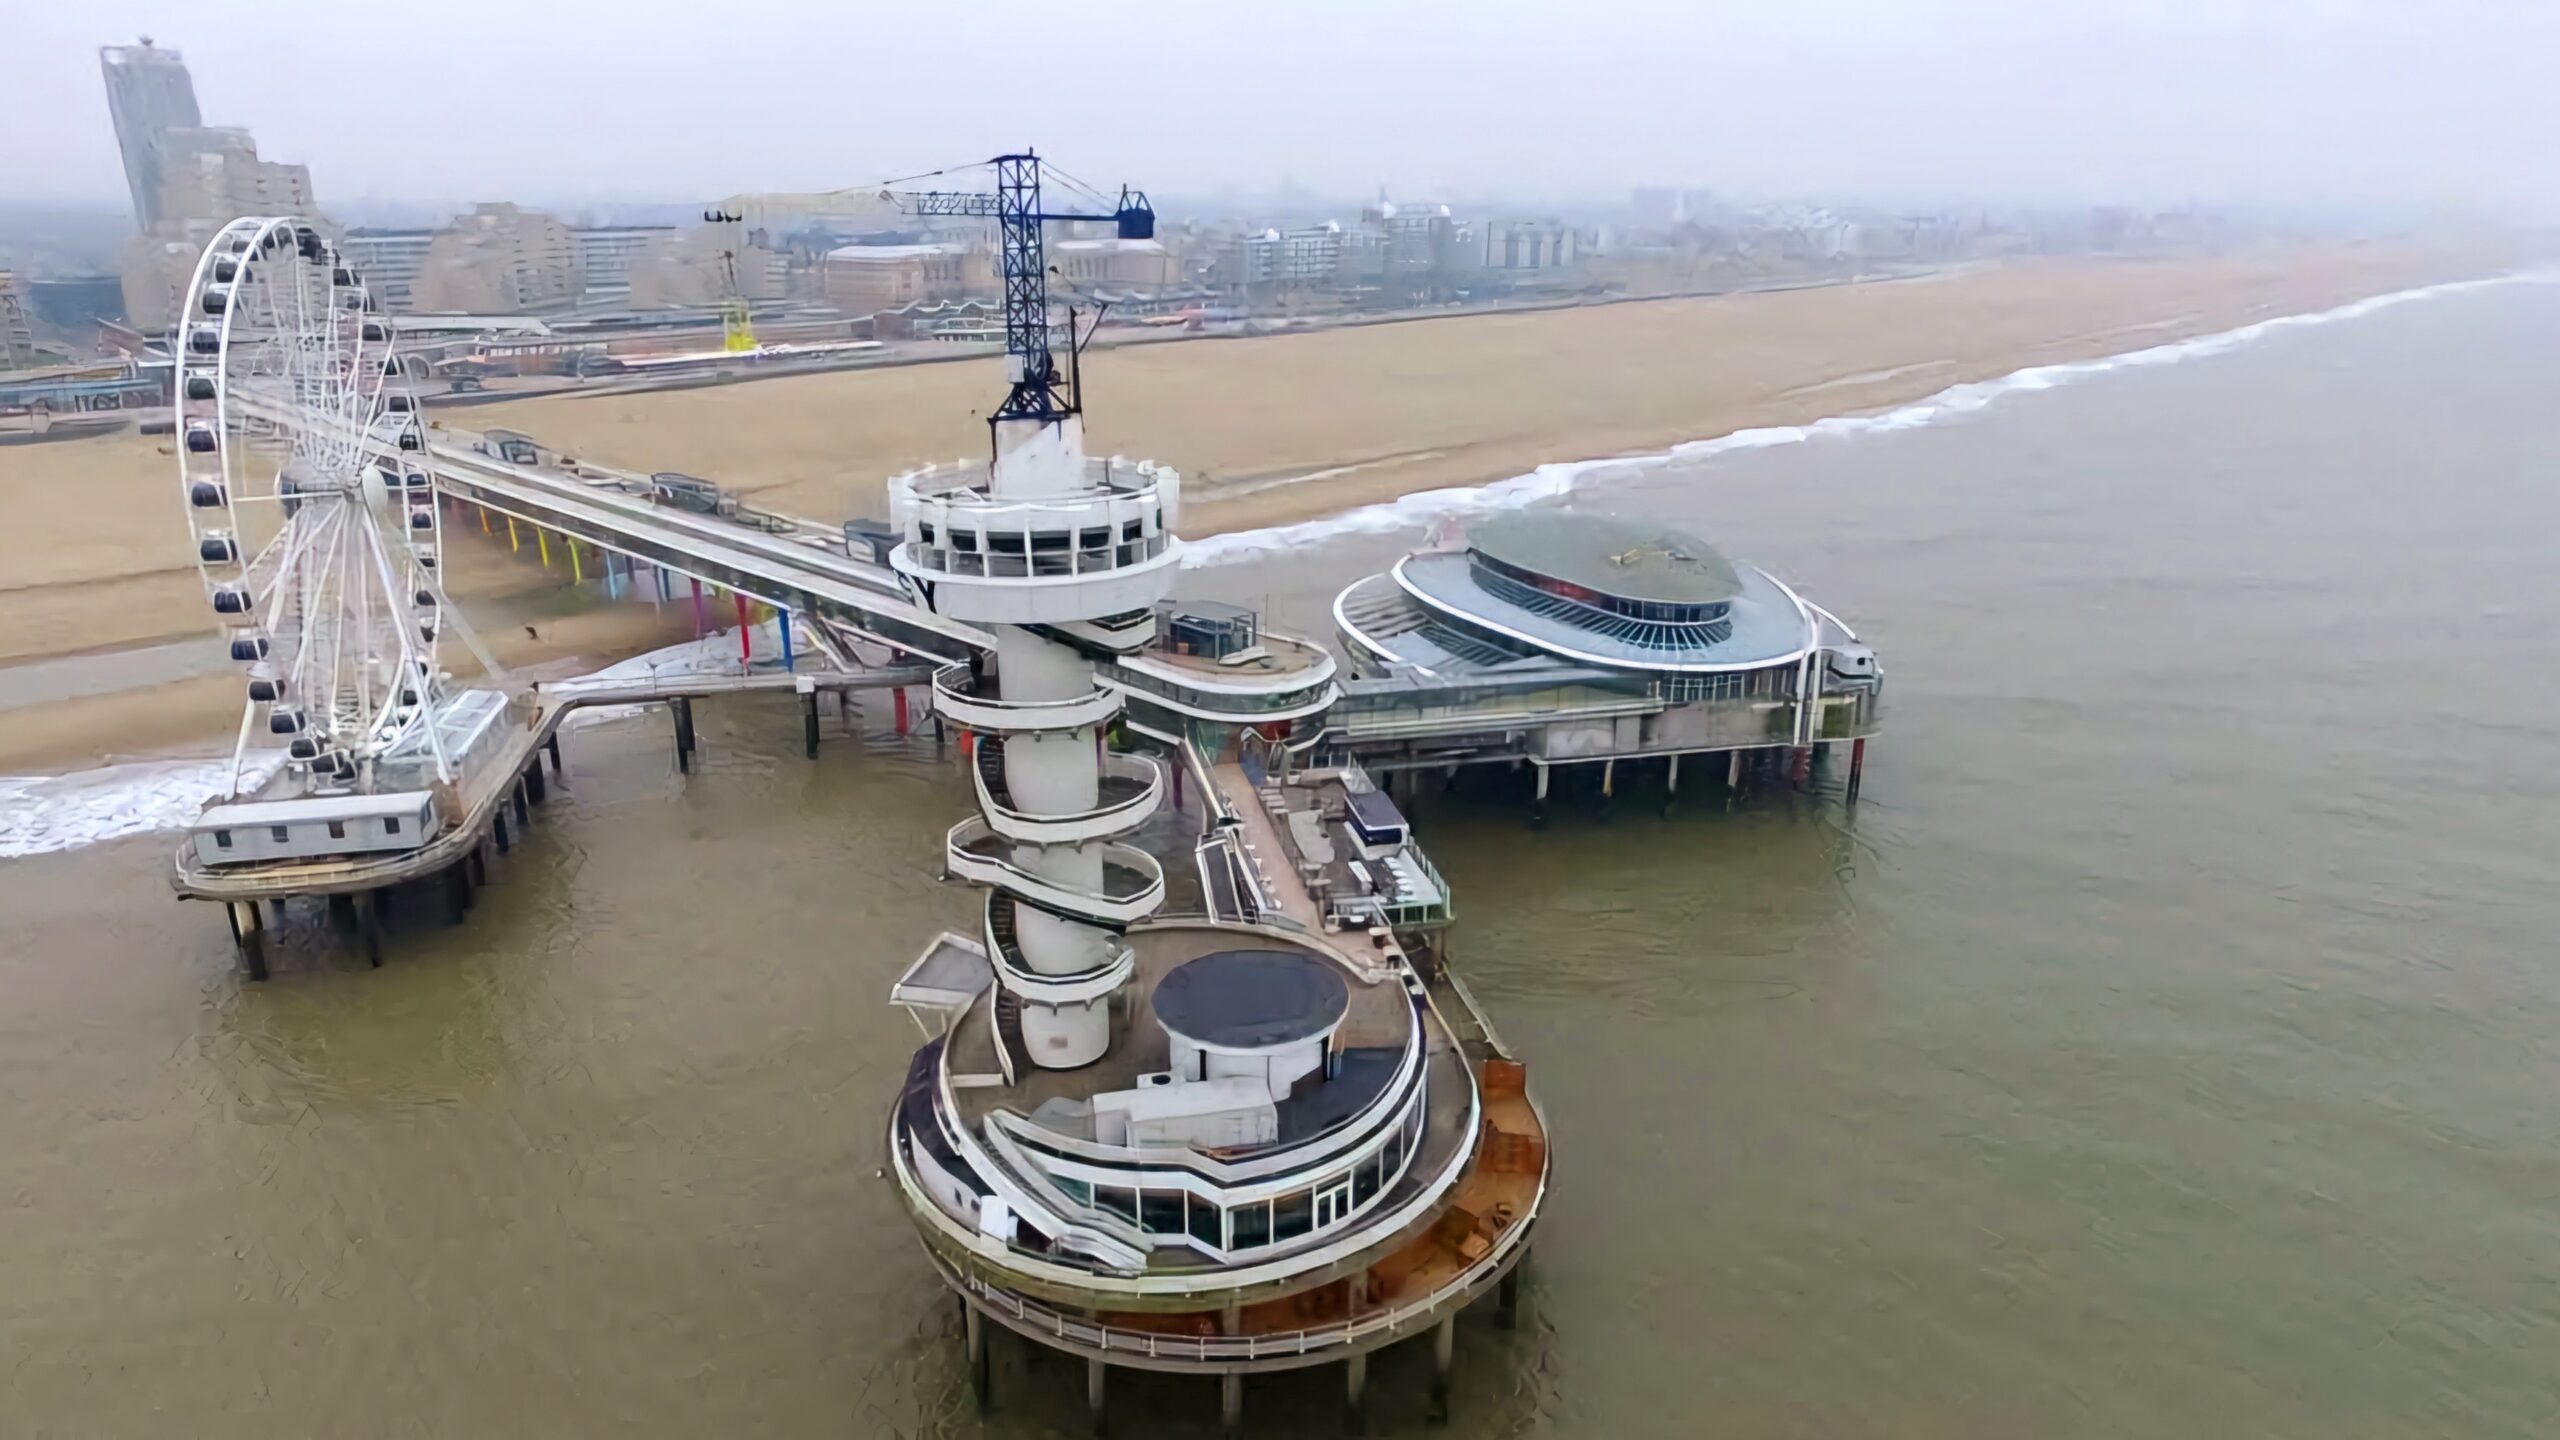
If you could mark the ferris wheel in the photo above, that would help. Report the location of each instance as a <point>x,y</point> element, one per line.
<point>302,465</point>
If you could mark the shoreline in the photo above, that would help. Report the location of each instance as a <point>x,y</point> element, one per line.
<point>1258,514</point>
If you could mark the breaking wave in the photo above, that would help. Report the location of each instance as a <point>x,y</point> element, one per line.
<point>1417,510</point>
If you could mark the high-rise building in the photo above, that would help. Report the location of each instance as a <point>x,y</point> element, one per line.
<point>214,173</point>
<point>693,267</point>
<point>389,260</point>
<point>149,94</point>
<point>605,253</point>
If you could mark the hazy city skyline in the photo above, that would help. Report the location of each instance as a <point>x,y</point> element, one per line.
<point>2334,103</point>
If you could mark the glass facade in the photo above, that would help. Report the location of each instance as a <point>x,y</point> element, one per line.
<point>1174,1211</point>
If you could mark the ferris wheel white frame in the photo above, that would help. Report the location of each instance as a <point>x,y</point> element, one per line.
<point>288,394</point>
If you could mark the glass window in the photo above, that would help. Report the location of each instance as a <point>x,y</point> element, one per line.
<point>390,825</point>
<point>280,833</point>
<point>1252,1224</point>
<point>1366,1179</point>
<point>222,839</point>
<point>1160,1212</point>
<point>1075,1190</point>
<point>1116,1201</point>
<point>337,829</point>
<point>1293,1215</point>
<point>1207,1223</point>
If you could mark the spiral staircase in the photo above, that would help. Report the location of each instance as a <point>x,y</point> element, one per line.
<point>1060,558</point>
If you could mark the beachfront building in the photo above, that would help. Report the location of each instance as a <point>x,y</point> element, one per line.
<point>500,259</point>
<point>149,95</point>
<point>1561,637</point>
<point>862,279</point>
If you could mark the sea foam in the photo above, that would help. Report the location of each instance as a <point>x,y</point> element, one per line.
<point>1417,510</point>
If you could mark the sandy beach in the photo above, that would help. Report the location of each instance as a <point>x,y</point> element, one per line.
<point>1267,431</point>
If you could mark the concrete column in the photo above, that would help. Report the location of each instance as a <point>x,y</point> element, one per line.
<point>1355,1394</point>
<point>809,723</point>
<point>1444,1351</point>
<point>457,891</point>
<point>1094,1396</point>
<point>479,866</point>
<point>1857,765</point>
<point>369,920</point>
<point>1507,1295</point>
<point>534,784</point>
<point>1733,772</point>
<point>974,1329</point>
<point>1231,1402</point>
<point>551,743</point>
<point>501,827</point>
<point>524,807</point>
<point>1538,804</point>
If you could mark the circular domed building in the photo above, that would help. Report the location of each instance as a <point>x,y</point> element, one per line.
<point>1565,636</point>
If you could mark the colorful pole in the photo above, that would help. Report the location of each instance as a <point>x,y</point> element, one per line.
<point>783,618</point>
<point>901,693</point>
<point>515,542</point>
<point>746,637</point>
<point>577,572</point>
<point>542,542</point>
<point>701,620</point>
<point>484,519</point>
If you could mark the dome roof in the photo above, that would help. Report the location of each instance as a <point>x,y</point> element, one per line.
<point>1251,999</point>
<point>1627,558</point>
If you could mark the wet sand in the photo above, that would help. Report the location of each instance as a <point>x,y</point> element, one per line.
<point>1267,431</point>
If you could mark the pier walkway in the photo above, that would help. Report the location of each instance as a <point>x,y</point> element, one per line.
<point>510,779</point>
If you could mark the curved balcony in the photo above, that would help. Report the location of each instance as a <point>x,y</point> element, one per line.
<point>1132,880</point>
<point>1131,787</point>
<point>955,524</point>
<point>1004,947</point>
<point>963,699</point>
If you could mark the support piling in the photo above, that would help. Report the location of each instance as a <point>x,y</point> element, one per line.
<point>974,1328</point>
<point>1444,1351</point>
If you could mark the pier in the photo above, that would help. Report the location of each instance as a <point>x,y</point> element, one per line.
<point>493,803</point>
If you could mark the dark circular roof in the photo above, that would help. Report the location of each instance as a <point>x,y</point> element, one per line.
<point>1252,999</point>
<point>1629,559</point>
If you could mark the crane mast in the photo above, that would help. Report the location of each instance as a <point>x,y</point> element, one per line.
<point>1037,391</point>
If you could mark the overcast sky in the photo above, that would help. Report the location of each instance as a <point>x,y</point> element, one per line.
<point>2436,102</point>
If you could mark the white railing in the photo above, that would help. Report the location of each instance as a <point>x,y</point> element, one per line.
<point>1109,906</point>
<point>956,698</point>
<point>1111,1339</point>
<point>1100,823</point>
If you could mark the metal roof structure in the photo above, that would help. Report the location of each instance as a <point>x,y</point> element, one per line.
<point>1608,555</point>
<point>1765,624</point>
<point>1252,999</point>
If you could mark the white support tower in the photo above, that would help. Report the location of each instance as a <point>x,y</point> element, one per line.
<point>1063,559</point>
